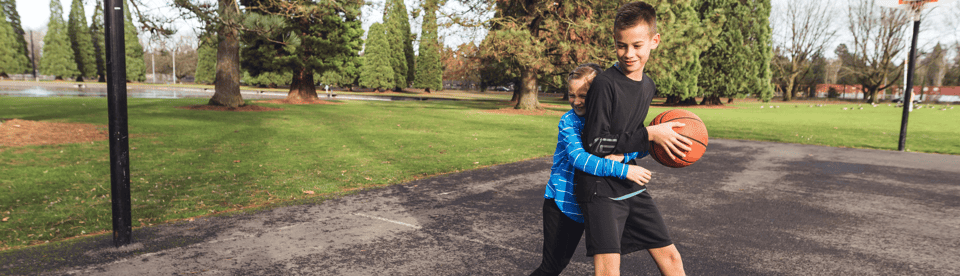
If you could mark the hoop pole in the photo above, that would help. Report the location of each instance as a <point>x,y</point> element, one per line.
<point>908,93</point>
<point>117,112</point>
<point>33,58</point>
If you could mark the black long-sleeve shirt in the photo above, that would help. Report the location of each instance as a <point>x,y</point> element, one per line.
<point>616,109</point>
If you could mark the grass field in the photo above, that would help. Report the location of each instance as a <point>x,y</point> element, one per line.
<point>929,130</point>
<point>188,163</point>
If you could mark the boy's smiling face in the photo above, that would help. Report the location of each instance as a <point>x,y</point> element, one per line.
<point>633,48</point>
<point>578,96</point>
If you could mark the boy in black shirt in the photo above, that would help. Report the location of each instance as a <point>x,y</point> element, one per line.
<point>620,217</point>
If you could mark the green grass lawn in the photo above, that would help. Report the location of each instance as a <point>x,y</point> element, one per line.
<point>929,129</point>
<point>188,163</point>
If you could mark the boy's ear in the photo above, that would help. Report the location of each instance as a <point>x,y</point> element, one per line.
<point>656,40</point>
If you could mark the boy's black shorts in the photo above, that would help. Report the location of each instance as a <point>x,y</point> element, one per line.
<point>623,226</point>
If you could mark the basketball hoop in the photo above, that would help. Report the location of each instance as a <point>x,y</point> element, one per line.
<point>912,6</point>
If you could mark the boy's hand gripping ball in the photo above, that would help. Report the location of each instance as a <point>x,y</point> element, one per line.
<point>694,130</point>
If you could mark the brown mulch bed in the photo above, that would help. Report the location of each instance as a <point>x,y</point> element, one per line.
<point>297,102</point>
<point>245,108</point>
<point>18,133</point>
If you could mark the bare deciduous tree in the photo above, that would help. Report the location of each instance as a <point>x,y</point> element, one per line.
<point>878,38</point>
<point>800,29</point>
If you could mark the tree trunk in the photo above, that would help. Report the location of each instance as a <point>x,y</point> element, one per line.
<point>517,87</point>
<point>302,86</point>
<point>711,100</point>
<point>873,96</point>
<point>227,82</point>
<point>672,100</point>
<point>689,101</point>
<point>729,100</point>
<point>528,90</point>
<point>788,91</point>
<point>566,94</point>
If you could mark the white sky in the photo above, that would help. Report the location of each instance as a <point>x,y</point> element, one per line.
<point>34,15</point>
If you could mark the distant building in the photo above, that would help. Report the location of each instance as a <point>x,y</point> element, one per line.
<point>929,93</point>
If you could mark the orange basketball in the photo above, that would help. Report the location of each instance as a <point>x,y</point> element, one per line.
<point>694,130</point>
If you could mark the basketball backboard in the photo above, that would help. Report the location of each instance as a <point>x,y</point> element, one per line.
<point>914,6</point>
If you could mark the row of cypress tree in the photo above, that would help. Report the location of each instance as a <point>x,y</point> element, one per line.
<point>71,49</point>
<point>13,46</point>
<point>387,66</point>
<point>708,48</point>
<point>280,49</point>
<point>384,57</point>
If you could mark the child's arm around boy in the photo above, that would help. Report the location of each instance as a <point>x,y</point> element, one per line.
<point>597,125</point>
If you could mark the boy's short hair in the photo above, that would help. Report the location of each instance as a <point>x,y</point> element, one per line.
<point>634,13</point>
<point>586,72</point>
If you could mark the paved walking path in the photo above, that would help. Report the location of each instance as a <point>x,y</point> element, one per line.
<point>746,208</point>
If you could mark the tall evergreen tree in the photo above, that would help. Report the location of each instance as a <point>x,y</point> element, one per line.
<point>322,36</point>
<point>377,70</point>
<point>675,64</point>
<point>80,41</point>
<point>763,56</point>
<point>429,73</point>
<point>57,54</point>
<point>11,61</point>
<point>349,71</point>
<point>222,20</point>
<point>206,60</point>
<point>397,25</point>
<point>745,35</point>
<point>530,41</point>
<point>261,45</point>
<point>136,66</point>
<point>98,38</point>
<point>9,8</point>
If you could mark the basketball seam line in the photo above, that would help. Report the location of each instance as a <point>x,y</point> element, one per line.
<point>664,115</point>
<point>695,140</point>
<point>667,157</point>
<point>678,118</point>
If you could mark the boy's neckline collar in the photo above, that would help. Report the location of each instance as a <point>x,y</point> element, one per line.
<point>642,75</point>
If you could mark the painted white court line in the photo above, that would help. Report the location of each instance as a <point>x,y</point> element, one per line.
<point>389,220</point>
<point>582,266</point>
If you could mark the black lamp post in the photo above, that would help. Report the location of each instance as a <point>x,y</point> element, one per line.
<point>117,111</point>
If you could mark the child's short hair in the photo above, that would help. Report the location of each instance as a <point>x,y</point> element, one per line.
<point>586,72</point>
<point>634,13</point>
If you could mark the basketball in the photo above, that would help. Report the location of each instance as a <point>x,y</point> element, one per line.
<point>694,130</point>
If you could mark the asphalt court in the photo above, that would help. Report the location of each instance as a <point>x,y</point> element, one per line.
<point>746,208</point>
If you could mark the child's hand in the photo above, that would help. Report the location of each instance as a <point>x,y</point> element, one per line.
<point>639,175</point>
<point>664,136</point>
<point>615,157</point>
